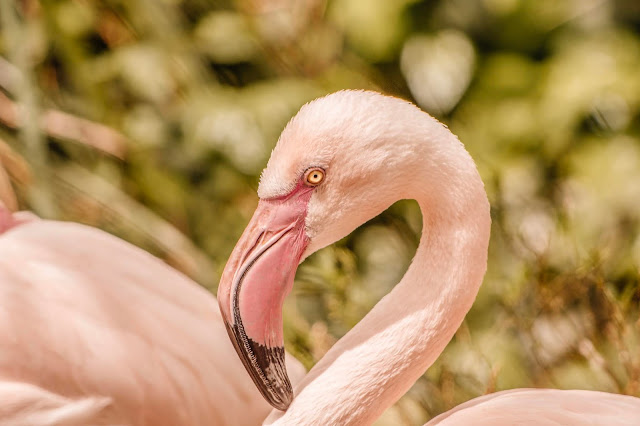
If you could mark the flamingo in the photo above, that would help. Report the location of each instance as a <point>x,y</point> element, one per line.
<point>95,331</point>
<point>340,161</point>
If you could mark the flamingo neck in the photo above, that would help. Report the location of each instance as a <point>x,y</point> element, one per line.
<point>372,366</point>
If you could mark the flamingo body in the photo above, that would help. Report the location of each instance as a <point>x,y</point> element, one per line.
<point>544,407</point>
<point>91,322</point>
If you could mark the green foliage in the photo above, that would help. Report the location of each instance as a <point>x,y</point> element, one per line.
<point>180,103</point>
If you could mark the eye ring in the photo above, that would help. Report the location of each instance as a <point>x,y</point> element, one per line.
<point>314,176</point>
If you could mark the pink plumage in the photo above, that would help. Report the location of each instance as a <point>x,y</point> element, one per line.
<point>545,407</point>
<point>95,328</point>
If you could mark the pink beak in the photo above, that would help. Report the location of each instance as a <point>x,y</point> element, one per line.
<point>257,278</point>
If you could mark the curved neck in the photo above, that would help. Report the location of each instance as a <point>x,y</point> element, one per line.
<point>379,360</point>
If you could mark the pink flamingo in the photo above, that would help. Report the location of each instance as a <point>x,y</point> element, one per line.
<point>341,161</point>
<point>94,331</point>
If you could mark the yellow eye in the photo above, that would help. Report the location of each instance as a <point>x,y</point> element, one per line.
<point>314,176</point>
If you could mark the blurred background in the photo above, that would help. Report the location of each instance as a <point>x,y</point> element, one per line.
<point>152,119</point>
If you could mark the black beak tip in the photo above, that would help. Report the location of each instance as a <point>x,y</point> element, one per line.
<point>281,401</point>
<point>265,365</point>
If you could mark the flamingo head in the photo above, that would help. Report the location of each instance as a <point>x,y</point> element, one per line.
<point>339,162</point>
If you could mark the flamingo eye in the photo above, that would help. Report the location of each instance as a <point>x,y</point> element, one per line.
<point>313,176</point>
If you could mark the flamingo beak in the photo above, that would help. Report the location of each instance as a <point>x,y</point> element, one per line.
<point>257,278</point>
